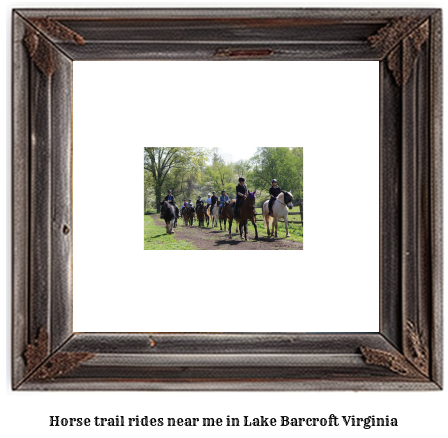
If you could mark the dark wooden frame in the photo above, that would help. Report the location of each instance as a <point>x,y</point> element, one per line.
<point>406,354</point>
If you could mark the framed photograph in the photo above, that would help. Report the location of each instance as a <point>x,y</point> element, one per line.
<point>219,320</point>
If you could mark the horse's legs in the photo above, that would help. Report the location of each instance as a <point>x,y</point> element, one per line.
<point>255,226</point>
<point>267,224</point>
<point>245,230</point>
<point>286,227</point>
<point>230,228</point>
<point>276,227</point>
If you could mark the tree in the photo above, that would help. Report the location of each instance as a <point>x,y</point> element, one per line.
<point>160,162</point>
<point>148,191</point>
<point>283,164</point>
<point>242,168</point>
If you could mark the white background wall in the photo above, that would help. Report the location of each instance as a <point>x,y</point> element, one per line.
<point>27,413</point>
<point>120,107</point>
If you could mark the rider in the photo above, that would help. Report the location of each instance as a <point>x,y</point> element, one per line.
<point>184,204</point>
<point>214,200</point>
<point>209,200</point>
<point>170,198</point>
<point>241,192</point>
<point>222,200</point>
<point>199,202</point>
<point>274,191</point>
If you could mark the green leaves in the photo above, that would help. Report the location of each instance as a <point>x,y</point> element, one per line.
<point>190,171</point>
<point>283,164</point>
<point>173,167</point>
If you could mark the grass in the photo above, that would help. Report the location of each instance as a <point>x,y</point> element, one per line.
<point>295,230</point>
<point>156,238</point>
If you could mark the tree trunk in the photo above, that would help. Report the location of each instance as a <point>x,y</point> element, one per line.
<point>158,197</point>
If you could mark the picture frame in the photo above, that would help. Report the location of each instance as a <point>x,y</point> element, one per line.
<point>406,353</point>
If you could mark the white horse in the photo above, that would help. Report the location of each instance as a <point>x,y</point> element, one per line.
<point>280,211</point>
<point>214,214</point>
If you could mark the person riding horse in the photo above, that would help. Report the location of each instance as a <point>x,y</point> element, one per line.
<point>199,203</point>
<point>170,198</point>
<point>274,191</point>
<point>241,192</point>
<point>184,204</point>
<point>214,200</point>
<point>208,201</point>
<point>222,200</point>
<point>188,213</point>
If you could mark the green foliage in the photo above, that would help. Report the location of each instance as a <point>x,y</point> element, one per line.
<point>283,164</point>
<point>148,191</point>
<point>242,168</point>
<point>174,168</point>
<point>190,172</point>
<point>221,175</point>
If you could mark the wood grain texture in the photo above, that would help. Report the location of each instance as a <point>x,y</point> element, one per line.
<point>40,201</point>
<point>390,207</point>
<point>405,355</point>
<point>20,196</point>
<point>61,200</point>
<point>436,195</point>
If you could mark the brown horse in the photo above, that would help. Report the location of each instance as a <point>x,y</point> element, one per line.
<point>247,212</point>
<point>188,216</point>
<point>200,212</point>
<point>227,214</point>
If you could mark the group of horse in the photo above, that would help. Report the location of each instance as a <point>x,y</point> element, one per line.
<point>206,214</point>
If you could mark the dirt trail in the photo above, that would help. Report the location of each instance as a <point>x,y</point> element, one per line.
<point>214,238</point>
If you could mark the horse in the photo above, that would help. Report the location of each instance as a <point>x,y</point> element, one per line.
<point>188,216</point>
<point>214,214</point>
<point>168,213</point>
<point>200,212</point>
<point>227,214</point>
<point>176,210</point>
<point>247,212</point>
<point>280,211</point>
<point>207,215</point>
<point>222,219</point>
